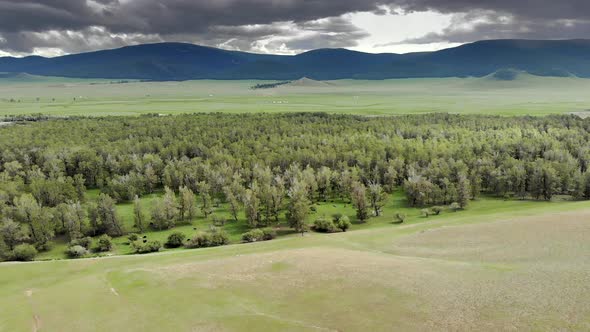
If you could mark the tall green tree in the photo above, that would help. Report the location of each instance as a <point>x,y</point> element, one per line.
<point>358,196</point>
<point>298,207</point>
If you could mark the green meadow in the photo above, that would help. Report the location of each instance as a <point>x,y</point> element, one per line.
<point>526,95</point>
<point>498,265</point>
<point>491,267</point>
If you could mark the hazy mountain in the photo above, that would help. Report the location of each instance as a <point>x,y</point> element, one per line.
<point>179,61</point>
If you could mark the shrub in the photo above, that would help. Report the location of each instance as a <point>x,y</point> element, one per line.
<point>324,225</point>
<point>84,242</point>
<point>343,223</point>
<point>425,212</point>
<point>175,240</point>
<point>253,235</point>
<point>24,253</point>
<point>455,207</point>
<point>147,247</point>
<point>400,218</point>
<point>132,237</point>
<point>76,251</point>
<point>337,216</point>
<point>218,220</point>
<point>219,237</point>
<point>437,210</point>
<point>212,239</point>
<point>269,234</point>
<point>105,243</point>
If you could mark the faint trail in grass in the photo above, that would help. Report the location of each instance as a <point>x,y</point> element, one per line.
<point>37,323</point>
<point>290,321</point>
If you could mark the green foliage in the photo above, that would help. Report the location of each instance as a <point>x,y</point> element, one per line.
<point>253,235</point>
<point>324,225</point>
<point>400,218</point>
<point>84,242</point>
<point>104,243</point>
<point>437,210</point>
<point>298,207</point>
<point>359,200</point>
<point>214,238</point>
<point>259,234</point>
<point>23,252</point>
<point>140,247</point>
<point>132,237</point>
<point>343,223</point>
<point>426,212</point>
<point>272,168</point>
<point>175,240</point>
<point>76,251</point>
<point>455,207</point>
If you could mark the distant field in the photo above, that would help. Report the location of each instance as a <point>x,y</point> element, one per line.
<point>526,95</point>
<point>485,269</point>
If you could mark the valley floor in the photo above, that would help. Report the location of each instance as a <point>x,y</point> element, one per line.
<point>508,270</point>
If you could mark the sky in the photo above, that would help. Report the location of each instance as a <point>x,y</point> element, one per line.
<point>58,27</point>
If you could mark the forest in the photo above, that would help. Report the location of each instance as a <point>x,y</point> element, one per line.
<point>269,168</point>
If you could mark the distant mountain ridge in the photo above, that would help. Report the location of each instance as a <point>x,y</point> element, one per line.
<point>181,61</point>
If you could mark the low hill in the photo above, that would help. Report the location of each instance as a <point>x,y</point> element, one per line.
<point>180,61</point>
<point>308,82</point>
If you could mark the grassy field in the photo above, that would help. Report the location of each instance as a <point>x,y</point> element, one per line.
<point>526,95</point>
<point>497,266</point>
<point>395,204</point>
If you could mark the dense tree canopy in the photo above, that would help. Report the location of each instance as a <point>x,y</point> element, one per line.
<point>263,165</point>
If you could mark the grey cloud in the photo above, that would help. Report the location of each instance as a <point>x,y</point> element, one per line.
<point>28,24</point>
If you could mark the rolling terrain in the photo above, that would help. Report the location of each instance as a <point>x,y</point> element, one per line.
<point>494,270</point>
<point>178,61</point>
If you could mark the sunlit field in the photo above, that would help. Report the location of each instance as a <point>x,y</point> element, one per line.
<point>527,95</point>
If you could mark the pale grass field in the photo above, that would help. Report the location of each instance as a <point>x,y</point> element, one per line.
<point>496,272</point>
<point>528,95</point>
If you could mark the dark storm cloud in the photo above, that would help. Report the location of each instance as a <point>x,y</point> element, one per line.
<point>77,25</point>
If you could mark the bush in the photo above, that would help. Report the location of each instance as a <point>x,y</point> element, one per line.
<point>455,207</point>
<point>24,253</point>
<point>147,247</point>
<point>76,251</point>
<point>324,225</point>
<point>132,237</point>
<point>437,210</point>
<point>425,212</point>
<point>336,217</point>
<point>343,223</point>
<point>253,235</point>
<point>105,243</point>
<point>218,220</point>
<point>219,237</point>
<point>175,240</point>
<point>400,218</point>
<point>84,242</point>
<point>269,234</point>
<point>213,239</point>
<point>264,234</point>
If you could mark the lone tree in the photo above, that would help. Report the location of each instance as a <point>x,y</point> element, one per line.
<point>358,195</point>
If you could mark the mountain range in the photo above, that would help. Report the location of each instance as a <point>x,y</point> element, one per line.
<point>181,61</point>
